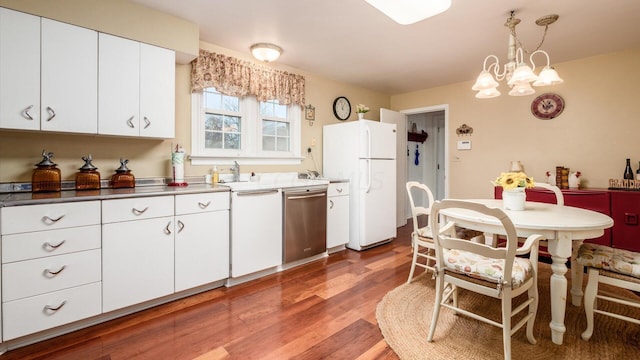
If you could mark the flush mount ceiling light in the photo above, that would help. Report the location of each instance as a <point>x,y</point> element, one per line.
<point>518,74</point>
<point>406,12</point>
<point>265,52</point>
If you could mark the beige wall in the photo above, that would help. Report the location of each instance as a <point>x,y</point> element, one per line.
<point>20,151</point>
<point>596,132</point>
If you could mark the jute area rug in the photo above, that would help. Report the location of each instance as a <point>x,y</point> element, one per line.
<point>404,315</point>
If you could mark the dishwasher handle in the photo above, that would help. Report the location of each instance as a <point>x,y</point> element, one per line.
<point>299,197</point>
<point>256,192</point>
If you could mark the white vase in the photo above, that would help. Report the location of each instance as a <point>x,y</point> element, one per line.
<point>514,199</point>
<point>360,116</point>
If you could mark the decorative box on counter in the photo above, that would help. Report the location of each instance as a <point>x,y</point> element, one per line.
<point>624,184</point>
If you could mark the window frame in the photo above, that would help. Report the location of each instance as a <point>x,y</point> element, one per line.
<point>250,139</point>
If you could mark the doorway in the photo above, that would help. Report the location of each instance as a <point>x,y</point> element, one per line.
<point>427,160</point>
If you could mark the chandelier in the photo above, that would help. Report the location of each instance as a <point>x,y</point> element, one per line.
<point>518,74</point>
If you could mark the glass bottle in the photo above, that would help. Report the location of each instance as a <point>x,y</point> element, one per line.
<point>628,172</point>
<point>638,172</point>
<point>88,178</point>
<point>46,177</point>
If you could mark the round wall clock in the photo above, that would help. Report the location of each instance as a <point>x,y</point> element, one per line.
<point>547,106</point>
<point>341,108</point>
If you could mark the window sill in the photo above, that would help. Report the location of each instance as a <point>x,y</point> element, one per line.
<point>245,160</point>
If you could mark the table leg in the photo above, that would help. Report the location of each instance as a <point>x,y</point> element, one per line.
<point>560,250</point>
<point>577,271</point>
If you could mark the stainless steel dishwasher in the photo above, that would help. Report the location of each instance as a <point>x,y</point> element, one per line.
<point>305,222</point>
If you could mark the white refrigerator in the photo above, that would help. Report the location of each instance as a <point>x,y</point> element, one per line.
<point>364,152</point>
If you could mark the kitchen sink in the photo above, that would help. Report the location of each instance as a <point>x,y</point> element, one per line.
<point>267,183</point>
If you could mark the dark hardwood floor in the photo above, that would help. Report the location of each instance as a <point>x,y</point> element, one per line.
<point>325,309</point>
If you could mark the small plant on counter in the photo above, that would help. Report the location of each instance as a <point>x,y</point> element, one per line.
<point>361,109</point>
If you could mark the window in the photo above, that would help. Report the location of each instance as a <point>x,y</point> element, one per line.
<point>227,128</point>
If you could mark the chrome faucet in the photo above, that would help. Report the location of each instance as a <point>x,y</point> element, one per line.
<point>236,171</point>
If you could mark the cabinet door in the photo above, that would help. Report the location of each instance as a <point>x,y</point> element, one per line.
<point>625,211</point>
<point>118,86</point>
<point>256,231</point>
<point>69,78</point>
<point>19,70</point>
<point>157,92</point>
<point>202,249</point>
<point>137,261</point>
<point>337,221</point>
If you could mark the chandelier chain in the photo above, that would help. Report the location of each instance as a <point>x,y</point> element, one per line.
<point>544,35</point>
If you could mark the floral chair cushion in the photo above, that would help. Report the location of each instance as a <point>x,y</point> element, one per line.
<point>484,268</point>
<point>607,258</point>
<point>425,232</point>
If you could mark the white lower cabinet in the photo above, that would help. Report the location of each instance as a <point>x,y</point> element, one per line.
<point>337,214</point>
<point>201,239</point>
<point>137,262</point>
<point>51,266</point>
<point>256,231</point>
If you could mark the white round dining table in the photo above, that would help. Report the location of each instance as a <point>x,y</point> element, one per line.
<point>565,228</point>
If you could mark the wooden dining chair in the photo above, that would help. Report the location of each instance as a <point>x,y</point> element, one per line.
<point>421,237</point>
<point>616,267</point>
<point>497,272</point>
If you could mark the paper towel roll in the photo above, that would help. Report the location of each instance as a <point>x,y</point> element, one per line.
<point>177,161</point>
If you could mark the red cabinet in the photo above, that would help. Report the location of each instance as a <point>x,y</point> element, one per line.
<point>625,211</point>
<point>596,200</point>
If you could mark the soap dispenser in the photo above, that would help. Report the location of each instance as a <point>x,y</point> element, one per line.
<point>215,176</point>
<point>46,177</point>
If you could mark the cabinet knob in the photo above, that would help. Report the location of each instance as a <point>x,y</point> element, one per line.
<point>51,273</point>
<point>50,247</point>
<point>139,212</point>
<point>146,122</point>
<point>54,308</point>
<point>180,226</point>
<point>130,123</point>
<point>26,114</point>
<point>330,204</point>
<point>167,230</point>
<point>630,219</point>
<point>52,113</point>
<point>204,206</point>
<point>51,221</point>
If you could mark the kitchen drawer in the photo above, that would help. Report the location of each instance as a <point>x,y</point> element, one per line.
<point>37,244</point>
<point>136,208</point>
<point>338,189</point>
<point>33,314</point>
<point>196,203</point>
<point>32,277</point>
<point>19,219</point>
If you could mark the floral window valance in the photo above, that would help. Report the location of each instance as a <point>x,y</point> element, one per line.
<point>235,77</point>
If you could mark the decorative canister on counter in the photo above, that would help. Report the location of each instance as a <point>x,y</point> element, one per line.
<point>88,178</point>
<point>46,177</point>
<point>123,178</point>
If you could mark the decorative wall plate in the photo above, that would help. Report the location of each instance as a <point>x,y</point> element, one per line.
<point>547,106</point>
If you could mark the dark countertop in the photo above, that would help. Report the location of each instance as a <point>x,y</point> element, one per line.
<point>29,198</point>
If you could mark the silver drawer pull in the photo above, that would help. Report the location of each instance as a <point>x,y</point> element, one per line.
<point>26,114</point>
<point>50,273</point>
<point>139,212</point>
<point>146,122</point>
<point>180,226</point>
<point>330,204</point>
<point>167,230</point>
<point>50,247</point>
<point>50,220</point>
<point>339,190</point>
<point>52,113</point>
<point>130,123</point>
<point>56,308</point>
<point>204,206</point>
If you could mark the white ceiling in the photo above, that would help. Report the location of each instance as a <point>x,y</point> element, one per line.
<point>350,41</point>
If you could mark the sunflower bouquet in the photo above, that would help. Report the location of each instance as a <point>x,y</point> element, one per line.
<point>512,180</point>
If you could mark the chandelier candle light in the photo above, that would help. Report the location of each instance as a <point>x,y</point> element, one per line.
<point>516,71</point>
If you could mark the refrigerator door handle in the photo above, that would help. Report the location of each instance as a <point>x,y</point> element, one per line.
<point>368,187</point>
<point>368,131</point>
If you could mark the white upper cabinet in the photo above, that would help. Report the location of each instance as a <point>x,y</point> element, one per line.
<point>136,89</point>
<point>19,70</point>
<point>119,86</point>
<point>69,79</point>
<point>157,91</point>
